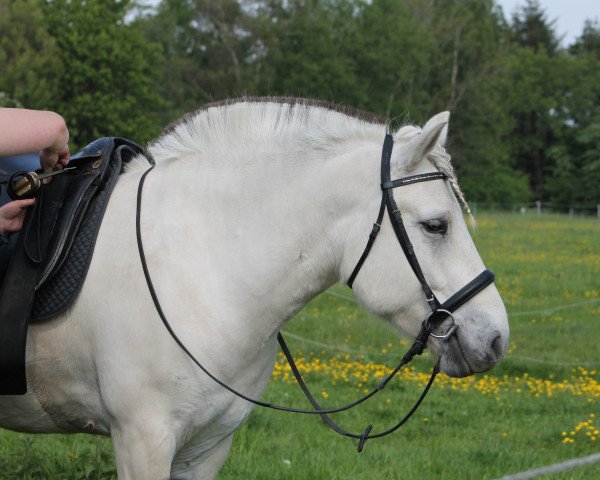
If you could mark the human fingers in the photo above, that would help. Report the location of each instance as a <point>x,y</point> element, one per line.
<point>64,155</point>
<point>48,159</point>
<point>17,207</point>
<point>12,215</point>
<point>25,203</point>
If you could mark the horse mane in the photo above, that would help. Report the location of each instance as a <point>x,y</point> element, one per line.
<point>284,102</point>
<point>287,119</point>
<point>319,123</point>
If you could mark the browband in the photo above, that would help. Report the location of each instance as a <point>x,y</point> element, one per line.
<point>424,177</point>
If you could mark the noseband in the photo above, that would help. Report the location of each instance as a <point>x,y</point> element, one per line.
<point>439,311</point>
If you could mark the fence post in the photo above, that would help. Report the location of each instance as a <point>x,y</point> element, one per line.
<point>538,206</point>
<point>598,209</point>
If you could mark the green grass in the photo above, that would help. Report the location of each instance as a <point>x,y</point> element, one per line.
<point>511,419</point>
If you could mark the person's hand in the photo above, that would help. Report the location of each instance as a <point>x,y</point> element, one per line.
<point>54,159</point>
<point>12,215</point>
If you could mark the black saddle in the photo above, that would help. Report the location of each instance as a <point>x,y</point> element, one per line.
<point>54,250</point>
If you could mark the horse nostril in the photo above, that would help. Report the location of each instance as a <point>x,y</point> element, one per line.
<point>498,347</point>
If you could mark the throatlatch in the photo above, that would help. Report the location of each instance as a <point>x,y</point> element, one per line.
<point>439,312</point>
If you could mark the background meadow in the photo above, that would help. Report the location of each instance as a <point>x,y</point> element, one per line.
<point>539,406</point>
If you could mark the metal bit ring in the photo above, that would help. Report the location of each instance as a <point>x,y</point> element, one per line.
<point>451,330</point>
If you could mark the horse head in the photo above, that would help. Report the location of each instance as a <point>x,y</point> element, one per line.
<point>447,258</point>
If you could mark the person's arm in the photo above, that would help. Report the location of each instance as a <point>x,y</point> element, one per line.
<point>24,131</point>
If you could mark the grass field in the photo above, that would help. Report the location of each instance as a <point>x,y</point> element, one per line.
<point>539,406</point>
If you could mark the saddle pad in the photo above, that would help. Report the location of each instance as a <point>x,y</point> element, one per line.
<point>61,288</point>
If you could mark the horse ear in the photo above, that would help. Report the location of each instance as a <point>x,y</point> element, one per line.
<point>433,122</point>
<point>434,132</point>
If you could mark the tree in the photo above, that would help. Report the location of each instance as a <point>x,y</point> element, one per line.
<point>309,53</point>
<point>535,87</point>
<point>29,60</point>
<point>212,49</point>
<point>181,84</point>
<point>532,29</point>
<point>589,41</point>
<point>108,75</point>
<point>391,55</point>
<point>575,178</point>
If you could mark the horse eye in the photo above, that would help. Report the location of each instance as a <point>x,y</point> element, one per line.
<point>436,226</point>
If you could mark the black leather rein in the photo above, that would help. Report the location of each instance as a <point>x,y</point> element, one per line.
<point>439,312</point>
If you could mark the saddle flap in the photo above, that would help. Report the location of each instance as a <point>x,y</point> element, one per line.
<point>91,167</point>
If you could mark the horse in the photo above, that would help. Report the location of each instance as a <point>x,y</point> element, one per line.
<point>254,207</point>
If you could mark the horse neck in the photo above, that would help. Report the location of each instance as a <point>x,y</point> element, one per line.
<point>266,224</point>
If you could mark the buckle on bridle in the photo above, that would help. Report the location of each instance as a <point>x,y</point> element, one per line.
<point>451,330</point>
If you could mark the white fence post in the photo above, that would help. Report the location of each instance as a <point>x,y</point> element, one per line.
<point>538,206</point>
<point>598,209</point>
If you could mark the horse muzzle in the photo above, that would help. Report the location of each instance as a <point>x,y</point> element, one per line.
<point>469,345</point>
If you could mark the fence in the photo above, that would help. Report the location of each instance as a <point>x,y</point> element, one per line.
<point>540,208</point>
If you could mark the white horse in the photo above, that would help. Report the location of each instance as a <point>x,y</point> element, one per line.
<point>254,207</point>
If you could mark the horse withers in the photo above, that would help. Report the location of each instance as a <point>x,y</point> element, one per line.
<point>254,207</point>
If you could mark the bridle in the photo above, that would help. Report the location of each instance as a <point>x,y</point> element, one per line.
<point>439,311</point>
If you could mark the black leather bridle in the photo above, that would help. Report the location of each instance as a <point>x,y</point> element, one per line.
<point>439,311</point>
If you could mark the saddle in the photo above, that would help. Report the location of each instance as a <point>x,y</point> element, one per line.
<point>54,250</point>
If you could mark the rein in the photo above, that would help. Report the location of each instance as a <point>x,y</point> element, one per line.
<point>439,312</point>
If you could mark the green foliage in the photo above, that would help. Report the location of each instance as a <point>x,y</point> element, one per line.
<point>589,41</point>
<point>29,62</point>
<point>391,52</point>
<point>576,180</point>
<point>179,66</point>
<point>471,81</point>
<point>107,76</point>
<point>316,65</point>
<point>532,29</point>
